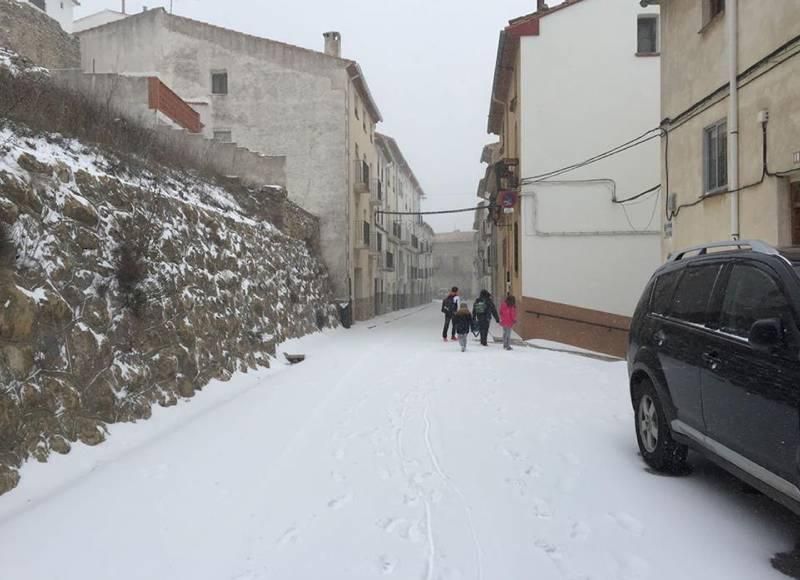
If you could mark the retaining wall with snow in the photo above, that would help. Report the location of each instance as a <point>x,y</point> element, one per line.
<point>123,286</point>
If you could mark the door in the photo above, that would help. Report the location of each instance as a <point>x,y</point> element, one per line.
<point>796,214</point>
<point>750,397</point>
<point>679,337</point>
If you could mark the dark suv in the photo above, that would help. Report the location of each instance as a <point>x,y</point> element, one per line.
<point>714,364</point>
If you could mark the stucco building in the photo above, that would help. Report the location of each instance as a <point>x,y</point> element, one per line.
<point>314,108</point>
<point>730,79</point>
<point>570,82</point>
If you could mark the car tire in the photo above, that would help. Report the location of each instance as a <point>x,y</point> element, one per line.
<point>653,434</point>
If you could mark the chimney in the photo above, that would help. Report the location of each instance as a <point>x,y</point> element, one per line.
<point>123,6</point>
<point>541,6</point>
<point>333,44</point>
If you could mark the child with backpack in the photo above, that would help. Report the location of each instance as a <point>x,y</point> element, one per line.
<point>483,310</point>
<point>462,324</point>
<point>449,308</point>
<point>508,318</point>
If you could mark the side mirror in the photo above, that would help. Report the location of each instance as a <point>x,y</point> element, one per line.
<point>766,334</point>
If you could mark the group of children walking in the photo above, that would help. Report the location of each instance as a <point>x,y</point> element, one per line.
<point>457,313</point>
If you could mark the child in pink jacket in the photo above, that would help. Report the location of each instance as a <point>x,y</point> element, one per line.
<point>508,318</point>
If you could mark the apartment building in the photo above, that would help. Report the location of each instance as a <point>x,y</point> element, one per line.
<point>730,77</point>
<point>405,241</point>
<point>314,108</point>
<point>570,244</point>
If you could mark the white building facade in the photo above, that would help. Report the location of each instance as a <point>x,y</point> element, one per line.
<point>584,79</point>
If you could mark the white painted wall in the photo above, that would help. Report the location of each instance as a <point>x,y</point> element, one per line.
<point>583,91</point>
<point>97,19</point>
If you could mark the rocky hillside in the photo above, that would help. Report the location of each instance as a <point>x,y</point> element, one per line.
<point>124,285</point>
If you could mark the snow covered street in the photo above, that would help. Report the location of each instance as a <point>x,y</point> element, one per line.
<point>388,454</point>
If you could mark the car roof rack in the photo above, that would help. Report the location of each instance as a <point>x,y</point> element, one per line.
<point>702,249</point>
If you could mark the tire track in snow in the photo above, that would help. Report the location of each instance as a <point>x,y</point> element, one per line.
<point>456,490</point>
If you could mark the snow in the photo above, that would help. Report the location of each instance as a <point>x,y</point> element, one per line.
<point>389,453</point>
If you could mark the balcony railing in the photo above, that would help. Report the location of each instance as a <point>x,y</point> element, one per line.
<point>361,177</point>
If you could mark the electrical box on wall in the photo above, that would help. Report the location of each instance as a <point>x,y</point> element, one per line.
<point>763,116</point>
<point>796,157</point>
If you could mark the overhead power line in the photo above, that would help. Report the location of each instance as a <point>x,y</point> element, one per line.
<point>438,212</point>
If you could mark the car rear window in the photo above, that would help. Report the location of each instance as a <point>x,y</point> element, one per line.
<point>693,293</point>
<point>663,292</point>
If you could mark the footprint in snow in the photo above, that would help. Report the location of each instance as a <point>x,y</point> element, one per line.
<point>385,565</point>
<point>290,536</point>
<point>541,509</point>
<point>628,523</point>
<point>339,502</point>
<point>580,531</point>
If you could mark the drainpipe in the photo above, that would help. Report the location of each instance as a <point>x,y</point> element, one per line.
<point>732,9</point>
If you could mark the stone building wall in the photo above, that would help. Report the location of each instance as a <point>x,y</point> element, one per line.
<point>36,36</point>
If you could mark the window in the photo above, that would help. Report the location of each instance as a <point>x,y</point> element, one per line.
<point>712,9</point>
<point>663,291</point>
<point>364,119</point>
<point>715,157</point>
<point>516,247</point>
<point>693,293</point>
<point>355,110</point>
<point>647,34</point>
<point>751,295</point>
<point>223,135</point>
<point>219,83</point>
<point>39,4</point>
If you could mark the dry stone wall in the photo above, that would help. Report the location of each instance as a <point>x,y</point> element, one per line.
<point>36,36</point>
<point>125,286</point>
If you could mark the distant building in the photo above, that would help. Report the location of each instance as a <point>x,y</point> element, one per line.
<point>570,82</point>
<point>715,194</point>
<point>96,19</point>
<point>314,108</point>
<point>454,262</point>
<point>59,10</point>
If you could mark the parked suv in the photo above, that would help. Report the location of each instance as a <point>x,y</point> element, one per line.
<point>714,364</point>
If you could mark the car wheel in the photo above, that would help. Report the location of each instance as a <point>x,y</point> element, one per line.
<point>659,450</point>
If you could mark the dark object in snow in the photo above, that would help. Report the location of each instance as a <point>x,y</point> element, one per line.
<point>788,562</point>
<point>294,358</point>
<point>346,314</point>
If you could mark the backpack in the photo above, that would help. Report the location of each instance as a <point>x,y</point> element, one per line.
<point>449,305</point>
<point>480,308</point>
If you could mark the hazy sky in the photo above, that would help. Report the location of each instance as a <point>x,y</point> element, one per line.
<point>429,65</point>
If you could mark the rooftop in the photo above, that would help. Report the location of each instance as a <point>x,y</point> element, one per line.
<point>352,67</point>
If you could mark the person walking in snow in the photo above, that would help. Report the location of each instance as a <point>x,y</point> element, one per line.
<point>449,308</point>
<point>508,318</point>
<point>462,324</point>
<point>483,311</point>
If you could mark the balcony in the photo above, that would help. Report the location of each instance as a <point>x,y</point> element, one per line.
<point>386,261</point>
<point>405,237</point>
<point>375,193</point>
<point>361,183</point>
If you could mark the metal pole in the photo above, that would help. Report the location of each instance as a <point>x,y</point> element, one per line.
<point>123,6</point>
<point>732,14</point>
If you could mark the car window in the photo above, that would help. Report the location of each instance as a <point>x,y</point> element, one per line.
<point>663,292</point>
<point>693,293</point>
<point>751,295</point>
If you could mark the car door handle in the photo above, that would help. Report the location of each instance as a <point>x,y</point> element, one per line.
<point>660,338</point>
<point>712,359</point>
